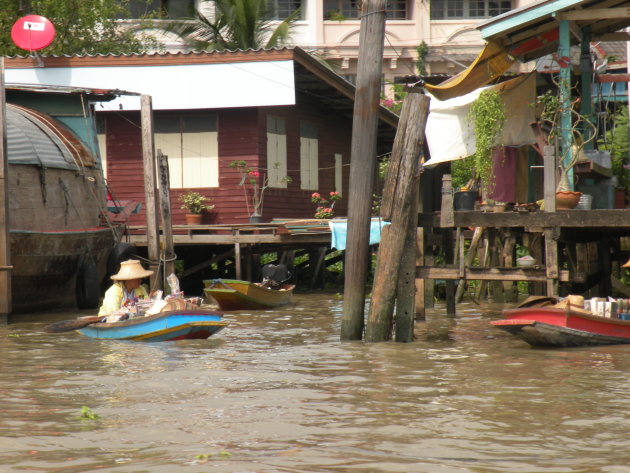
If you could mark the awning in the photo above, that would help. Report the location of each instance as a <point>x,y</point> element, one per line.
<point>450,135</point>
<point>489,65</point>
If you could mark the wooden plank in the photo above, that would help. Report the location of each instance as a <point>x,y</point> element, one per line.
<point>496,274</point>
<point>593,14</point>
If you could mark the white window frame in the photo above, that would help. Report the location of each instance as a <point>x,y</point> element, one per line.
<point>193,156</point>
<point>276,151</point>
<point>309,156</point>
<point>338,173</point>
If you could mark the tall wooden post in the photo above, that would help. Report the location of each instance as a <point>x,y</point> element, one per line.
<point>363,165</point>
<point>5,247</point>
<point>395,207</point>
<point>150,194</point>
<point>406,291</point>
<point>165,207</point>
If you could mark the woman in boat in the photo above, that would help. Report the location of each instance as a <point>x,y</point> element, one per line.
<point>126,291</point>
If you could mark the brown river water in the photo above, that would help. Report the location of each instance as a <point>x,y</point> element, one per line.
<point>277,391</point>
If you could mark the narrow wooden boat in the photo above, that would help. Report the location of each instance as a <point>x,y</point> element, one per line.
<point>165,326</point>
<point>232,294</point>
<point>563,327</point>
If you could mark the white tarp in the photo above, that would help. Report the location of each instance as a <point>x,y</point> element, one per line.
<point>176,87</point>
<point>450,133</point>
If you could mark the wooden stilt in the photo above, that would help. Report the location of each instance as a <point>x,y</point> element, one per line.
<point>5,245</point>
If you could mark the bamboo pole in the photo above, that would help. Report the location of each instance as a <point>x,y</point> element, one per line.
<point>151,204</point>
<point>5,247</point>
<point>397,196</point>
<point>362,165</point>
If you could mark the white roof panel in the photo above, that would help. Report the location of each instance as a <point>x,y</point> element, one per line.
<point>177,87</point>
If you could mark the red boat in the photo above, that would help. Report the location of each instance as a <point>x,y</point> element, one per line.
<point>563,327</point>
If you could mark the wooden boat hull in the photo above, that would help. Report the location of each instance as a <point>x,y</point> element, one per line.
<point>554,327</point>
<point>231,294</point>
<point>165,326</point>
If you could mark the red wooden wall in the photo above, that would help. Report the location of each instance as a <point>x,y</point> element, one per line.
<point>242,136</point>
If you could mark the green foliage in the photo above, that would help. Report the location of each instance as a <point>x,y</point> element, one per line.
<point>462,171</point>
<point>82,27</point>
<point>236,24</point>
<point>194,202</point>
<point>88,414</point>
<point>335,15</point>
<point>616,141</point>
<point>423,50</point>
<point>487,115</point>
<point>395,104</point>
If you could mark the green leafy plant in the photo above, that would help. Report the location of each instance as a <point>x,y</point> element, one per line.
<point>616,141</point>
<point>194,202</point>
<point>423,50</point>
<point>487,115</point>
<point>581,132</point>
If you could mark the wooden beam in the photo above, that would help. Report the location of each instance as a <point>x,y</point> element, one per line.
<point>497,274</point>
<point>617,36</point>
<point>594,14</point>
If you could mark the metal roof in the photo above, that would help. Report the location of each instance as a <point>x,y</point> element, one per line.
<point>36,139</point>
<point>532,31</point>
<point>96,95</point>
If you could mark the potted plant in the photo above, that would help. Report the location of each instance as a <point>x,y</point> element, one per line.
<point>258,182</point>
<point>581,132</point>
<point>195,204</point>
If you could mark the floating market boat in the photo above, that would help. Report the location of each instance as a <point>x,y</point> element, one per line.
<point>570,326</point>
<point>232,294</point>
<point>165,326</point>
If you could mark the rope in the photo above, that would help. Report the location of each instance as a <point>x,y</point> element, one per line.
<point>69,199</point>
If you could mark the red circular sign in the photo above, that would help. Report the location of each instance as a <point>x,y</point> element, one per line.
<point>32,32</point>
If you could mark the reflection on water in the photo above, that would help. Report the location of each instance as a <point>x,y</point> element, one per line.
<point>277,391</point>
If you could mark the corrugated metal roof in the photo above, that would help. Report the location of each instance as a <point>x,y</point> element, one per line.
<point>33,141</point>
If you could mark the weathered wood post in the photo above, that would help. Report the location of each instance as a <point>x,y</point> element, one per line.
<point>395,207</point>
<point>5,247</point>
<point>168,250</point>
<point>150,195</point>
<point>362,166</point>
<point>406,291</point>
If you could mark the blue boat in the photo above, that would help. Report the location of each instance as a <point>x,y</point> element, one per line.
<point>162,327</point>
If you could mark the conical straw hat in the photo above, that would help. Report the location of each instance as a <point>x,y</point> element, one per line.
<point>626,265</point>
<point>131,269</point>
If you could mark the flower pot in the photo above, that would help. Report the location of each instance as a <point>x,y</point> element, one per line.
<point>255,218</point>
<point>193,219</point>
<point>566,200</point>
<point>464,200</point>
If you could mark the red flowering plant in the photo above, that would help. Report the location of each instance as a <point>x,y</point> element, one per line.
<point>258,182</point>
<point>324,210</point>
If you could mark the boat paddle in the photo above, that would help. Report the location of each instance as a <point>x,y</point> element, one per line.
<point>73,324</point>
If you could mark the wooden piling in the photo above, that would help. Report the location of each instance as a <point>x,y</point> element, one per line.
<point>168,250</point>
<point>362,165</point>
<point>5,247</point>
<point>397,196</point>
<point>150,194</point>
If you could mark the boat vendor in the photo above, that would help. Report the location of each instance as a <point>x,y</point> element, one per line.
<point>126,290</point>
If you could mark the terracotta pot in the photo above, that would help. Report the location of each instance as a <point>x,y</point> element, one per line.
<point>193,219</point>
<point>566,200</point>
